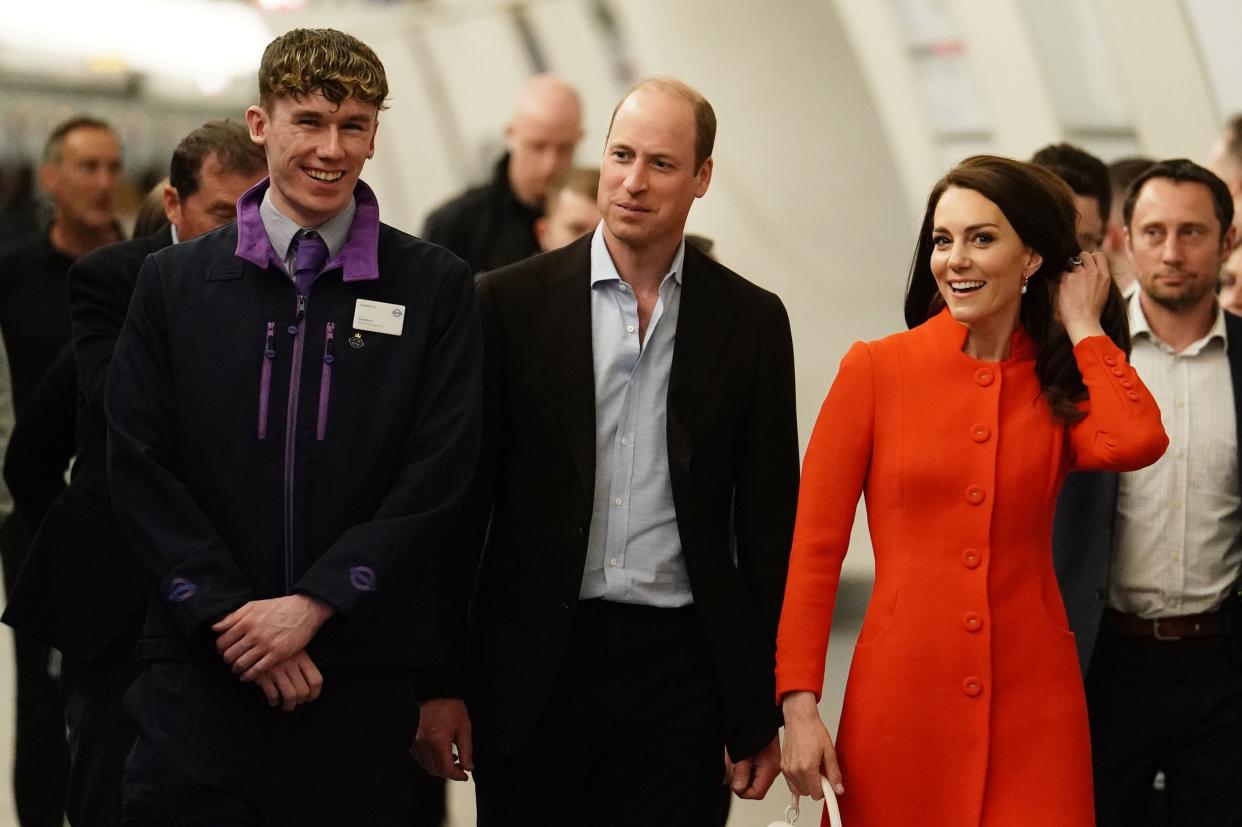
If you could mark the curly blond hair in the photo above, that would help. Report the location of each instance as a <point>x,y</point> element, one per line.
<point>303,61</point>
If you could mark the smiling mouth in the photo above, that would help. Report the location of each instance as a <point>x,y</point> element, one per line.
<point>324,175</point>
<point>632,208</point>
<point>965,288</point>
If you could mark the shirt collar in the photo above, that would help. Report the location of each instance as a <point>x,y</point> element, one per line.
<point>604,269</point>
<point>1140,327</point>
<point>352,235</point>
<point>172,228</point>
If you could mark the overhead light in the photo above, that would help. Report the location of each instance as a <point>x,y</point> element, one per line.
<point>281,5</point>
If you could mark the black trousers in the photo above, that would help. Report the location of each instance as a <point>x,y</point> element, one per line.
<point>1171,706</point>
<point>40,753</point>
<point>214,754</point>
<point>631,736</point>
<point>101,733</point>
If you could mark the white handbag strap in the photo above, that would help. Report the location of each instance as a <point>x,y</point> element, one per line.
<point>830,800</point>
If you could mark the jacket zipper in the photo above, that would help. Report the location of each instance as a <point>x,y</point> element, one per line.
<point>298,329</point>
<point>325,382</point>
<point>265,378</point>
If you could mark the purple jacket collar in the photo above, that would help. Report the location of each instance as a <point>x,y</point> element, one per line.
<point>358,258</point>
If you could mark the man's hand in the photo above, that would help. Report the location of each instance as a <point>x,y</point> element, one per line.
<point>292,682</point>
<point>263,633</point>
<point>443,722</point>
<point>754,775</point>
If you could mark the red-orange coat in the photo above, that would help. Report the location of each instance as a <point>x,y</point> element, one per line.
<point>964,704</point>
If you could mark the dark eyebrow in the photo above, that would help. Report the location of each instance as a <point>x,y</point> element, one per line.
<point>972,228</point>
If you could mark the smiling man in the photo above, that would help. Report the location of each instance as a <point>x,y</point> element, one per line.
<point>640,471</point>
<point>293,412</point>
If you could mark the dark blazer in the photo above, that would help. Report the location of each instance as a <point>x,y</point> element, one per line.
<point>733,457</point>
<point>80,589</point>
<point>1082,531</point>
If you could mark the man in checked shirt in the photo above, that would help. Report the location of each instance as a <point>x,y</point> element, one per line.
<point>1147,559</point>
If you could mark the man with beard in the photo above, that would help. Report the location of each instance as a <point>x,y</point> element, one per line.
<point>1159,548</point>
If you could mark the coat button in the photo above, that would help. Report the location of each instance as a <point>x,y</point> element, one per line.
<point>975,494</point>
<point>1126,383</point>
<point>1134,397</point>
<point>971,558</point>
<point>972,621</point>
<point>980,433</point>
<point>1110,361</point>
<point>984,376</point>
<point>972,686</point>
<point>1118,372</point>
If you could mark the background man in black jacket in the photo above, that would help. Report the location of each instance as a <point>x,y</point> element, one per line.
<point>80,589</point>
<point>80,171</point>
<point>494,224</point>
<point>640,473</point>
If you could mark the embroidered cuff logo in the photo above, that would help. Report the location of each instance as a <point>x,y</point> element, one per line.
<point>180,590</point>
<point>362,578</point>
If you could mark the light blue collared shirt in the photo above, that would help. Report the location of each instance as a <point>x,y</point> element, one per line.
<point>281,229</point>
<point>634,550</point>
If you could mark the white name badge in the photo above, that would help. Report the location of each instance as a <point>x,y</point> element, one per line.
<point>379,317</point>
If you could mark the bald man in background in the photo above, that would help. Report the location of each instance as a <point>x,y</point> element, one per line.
<point>494,224</point>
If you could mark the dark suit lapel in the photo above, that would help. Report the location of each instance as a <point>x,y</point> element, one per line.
<point>704,322</point>
<point>563,333</point>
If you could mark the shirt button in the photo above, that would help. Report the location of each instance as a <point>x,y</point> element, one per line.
<point>984,376</point>
<point>1134,397</point>
<point>980,433</point>
<point>629,328</point>
<point>972,686</point>
<point>975,494</point>
<point>971,558</point>
<point>612,562</point>
<point>972,621</point>
<point>1118,372</point>
<point>617,501</point>
<point>1110,361</point>
<point>625,440</point>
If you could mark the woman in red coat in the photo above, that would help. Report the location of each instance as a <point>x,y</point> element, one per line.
<point>964,704</point>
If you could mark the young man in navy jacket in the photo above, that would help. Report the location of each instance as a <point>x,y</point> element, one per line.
<point>293,418</point>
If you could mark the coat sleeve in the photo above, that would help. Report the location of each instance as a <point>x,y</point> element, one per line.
<point>43,441</point>
<point>834,473</point>
<point>1121,430</point>
<point>437,460</point>
<point>155,508</point>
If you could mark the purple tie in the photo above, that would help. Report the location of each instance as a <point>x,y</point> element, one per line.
<point>311,255</point>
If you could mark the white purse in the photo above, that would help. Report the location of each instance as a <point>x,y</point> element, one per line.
<point>830,799</point>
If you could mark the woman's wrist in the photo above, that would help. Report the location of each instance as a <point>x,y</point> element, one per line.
<point>799,705</point>
<point>1079,330</point>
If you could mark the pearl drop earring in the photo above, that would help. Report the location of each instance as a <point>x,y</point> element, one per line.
<point>1024,281</point>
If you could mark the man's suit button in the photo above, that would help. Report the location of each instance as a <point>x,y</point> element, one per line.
<point>984,376</point>
<point>971,558</point>
<point>972,686</point>
<point>972,621</point>
<point>975,494</point>
<point>565,605</point>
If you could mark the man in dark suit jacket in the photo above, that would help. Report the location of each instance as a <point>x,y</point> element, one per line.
<point>640,471</point>
<point>1147,560</point>
<point>80,589</point>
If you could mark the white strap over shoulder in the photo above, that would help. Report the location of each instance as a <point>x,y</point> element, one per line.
<point>830,800</point>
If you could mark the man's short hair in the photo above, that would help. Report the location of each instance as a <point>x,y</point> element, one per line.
<point>1086,174</point>
<point>229,141</point>
<point>304,61</point>
<point>1123,171</point>
<point>1184,172</point>
<point>582,180</point>
<point>56,140</point>
<point>704,115</point>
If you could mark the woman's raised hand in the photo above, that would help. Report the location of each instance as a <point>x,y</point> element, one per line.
<point>1081,295</point>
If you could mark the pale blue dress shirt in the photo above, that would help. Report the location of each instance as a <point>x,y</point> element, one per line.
<point>634,551</point>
